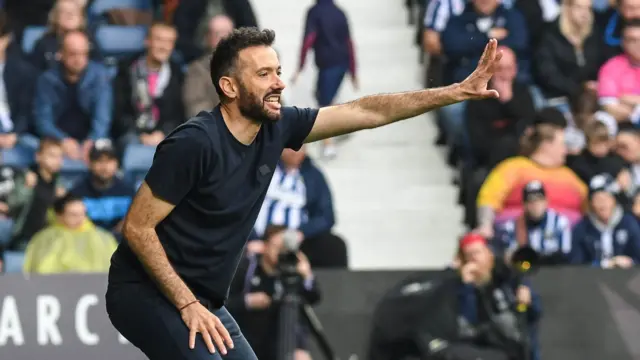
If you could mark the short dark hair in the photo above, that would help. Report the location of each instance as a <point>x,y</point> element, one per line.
<point>273,230</point>
<point>225,55</point>
<point>60,204</point>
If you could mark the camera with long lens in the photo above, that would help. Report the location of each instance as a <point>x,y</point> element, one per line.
<point>525,261</point>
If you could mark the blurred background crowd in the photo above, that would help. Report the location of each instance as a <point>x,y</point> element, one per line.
<point>554,162</point>
<point>88,88</point>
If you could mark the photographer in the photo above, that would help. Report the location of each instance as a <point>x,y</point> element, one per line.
<point>484,310</point>
<point>257,290</point>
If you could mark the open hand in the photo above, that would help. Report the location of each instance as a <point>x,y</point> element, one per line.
<point>201,321</point>
<point>474,87</point>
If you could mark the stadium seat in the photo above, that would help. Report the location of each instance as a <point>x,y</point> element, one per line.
<point>99,7</point>
<point>30,36</point>
<point>121,41</point>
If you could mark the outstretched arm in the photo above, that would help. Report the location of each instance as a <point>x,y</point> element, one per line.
<point>378,110</point>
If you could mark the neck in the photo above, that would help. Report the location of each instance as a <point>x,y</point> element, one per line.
<point>3,55</point>
<point>99,183</point>
<point>72,78</point>
<point>243,129</point>
<point>542,159</point>
<point>46,175</point>
<point>153,64</point>
<point>267,267</point>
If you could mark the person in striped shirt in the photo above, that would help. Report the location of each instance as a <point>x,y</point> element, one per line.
<point>543,229</point>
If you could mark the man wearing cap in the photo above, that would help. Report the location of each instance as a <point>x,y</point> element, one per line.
<point>106,196</point>
<point>543,229</point>
<point>606,237</point>
<point>487,280</point>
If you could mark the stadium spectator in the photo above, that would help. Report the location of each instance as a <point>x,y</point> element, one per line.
<point>618,82</point>
<point>106,196</point>
<point>71,244</point>
<point>7,186</point>
<point>198,91</point>
<point>148,99</point>
<point>299,198</point>
<point>613,21</point>
<point>191,19</point>
<point>33,194</point>
<point>584,111</point>
<point>598,157</point>
<point>17,81</point>
<point>541,228</point>
<point>628,148</point>
<point>463,42</point>
<point>327,33</point>
<point>73,101</point>
<point>66,16</point>
<point>495,124</point>
<point>569,54</point>
<point>255,293</point>
<point>543,151</point>
<point>606,237</point>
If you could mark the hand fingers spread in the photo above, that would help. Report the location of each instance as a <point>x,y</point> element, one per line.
<point>207,340</point>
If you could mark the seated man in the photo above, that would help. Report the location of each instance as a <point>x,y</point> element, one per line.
<point>606,237</point>
<point>463,42</point>
<point>493,124</point>
<point>71,244</point>
<point>618,81</point>
<point>106,196</point>
<point>148,100</point>
<point>198,91</point>
<point>257,290</point>
<point>300,199</point>
<point>73,102</point>
<point>543,229</point>
<point>33,194</point>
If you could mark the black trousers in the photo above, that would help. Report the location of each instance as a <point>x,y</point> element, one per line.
<point>326,251</point>
<point>150,322</point>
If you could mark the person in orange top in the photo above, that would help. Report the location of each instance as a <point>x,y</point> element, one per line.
<point>544,153</point>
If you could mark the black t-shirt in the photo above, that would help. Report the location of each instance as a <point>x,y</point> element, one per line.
<point>74,121</point>
<point>218,185</point>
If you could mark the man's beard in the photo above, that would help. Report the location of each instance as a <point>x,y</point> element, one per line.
<point>252,107</point>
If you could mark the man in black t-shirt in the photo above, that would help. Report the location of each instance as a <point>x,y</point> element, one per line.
<point>189,222</point>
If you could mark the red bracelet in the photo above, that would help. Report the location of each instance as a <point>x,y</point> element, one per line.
<point>189,304</point>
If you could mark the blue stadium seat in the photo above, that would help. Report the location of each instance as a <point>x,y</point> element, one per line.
<point>121,41</point>
<point>30,36</point>
<point>98,7</point>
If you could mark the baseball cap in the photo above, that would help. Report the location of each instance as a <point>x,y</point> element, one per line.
<point>471,238</point>
<point>603,182</point>
<point>102,147</point>
<point>533,190</point>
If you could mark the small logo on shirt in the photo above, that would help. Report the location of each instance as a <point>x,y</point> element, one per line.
<point>264,170</point>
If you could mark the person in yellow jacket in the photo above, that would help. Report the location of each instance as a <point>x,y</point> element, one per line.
<point>72,243</point>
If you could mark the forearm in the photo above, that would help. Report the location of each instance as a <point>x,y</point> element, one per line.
<point>620,112</point>
<point>486,216</point>
<point>389,108</point>
<point>146,245</point>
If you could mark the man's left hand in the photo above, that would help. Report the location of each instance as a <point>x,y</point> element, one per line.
<point>523,295</point>
<point>623,262</point>
<point>304,267</point>
<point>474,87</point>
<point>8,141</point>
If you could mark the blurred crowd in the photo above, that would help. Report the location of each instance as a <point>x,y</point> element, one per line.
<point>553,163</point>
<point>87,91</point>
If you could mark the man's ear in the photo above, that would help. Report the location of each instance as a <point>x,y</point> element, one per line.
<point>228,86</point>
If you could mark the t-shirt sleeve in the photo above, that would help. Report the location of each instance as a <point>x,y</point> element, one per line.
<point>608,87</point>
<point>179,163</point>
<point>296,125</point>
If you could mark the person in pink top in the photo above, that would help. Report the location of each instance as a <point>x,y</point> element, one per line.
<point>619,78</point>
